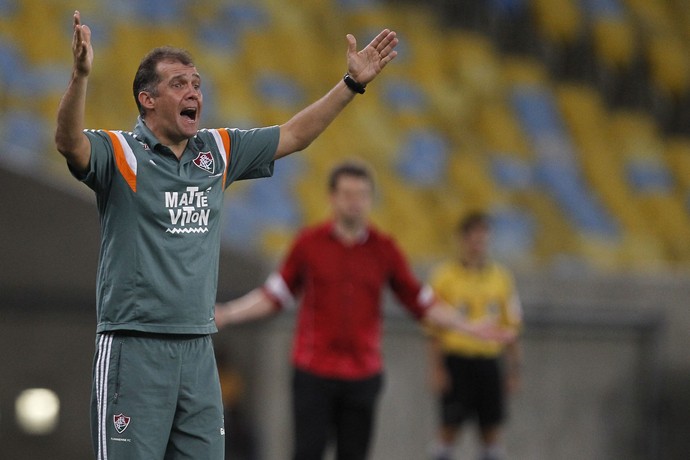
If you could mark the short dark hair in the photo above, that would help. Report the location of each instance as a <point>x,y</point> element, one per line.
<point>473,220</point>
<point>147,78</point>
<point>349,168</point>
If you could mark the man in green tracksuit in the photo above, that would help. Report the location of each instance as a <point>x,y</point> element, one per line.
<point>159,192</point>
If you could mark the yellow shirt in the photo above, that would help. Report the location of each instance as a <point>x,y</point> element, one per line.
<point>478,295</point>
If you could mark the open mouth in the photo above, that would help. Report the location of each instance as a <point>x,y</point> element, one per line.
<point>189,113</point>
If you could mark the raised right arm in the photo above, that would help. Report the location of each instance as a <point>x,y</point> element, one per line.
<point>70,139</point>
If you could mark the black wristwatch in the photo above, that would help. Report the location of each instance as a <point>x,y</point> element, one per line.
<point>354,85</point>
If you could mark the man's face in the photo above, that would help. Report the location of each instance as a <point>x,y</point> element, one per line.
<point>475,242</point>
<point>351,200</point>
<point>177,105</point>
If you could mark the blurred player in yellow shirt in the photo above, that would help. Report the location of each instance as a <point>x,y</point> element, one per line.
<point>471,376</point>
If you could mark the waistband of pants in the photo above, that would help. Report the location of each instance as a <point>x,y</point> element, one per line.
<point>154,335</point>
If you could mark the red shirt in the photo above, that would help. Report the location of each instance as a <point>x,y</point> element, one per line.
<point>339,320</point>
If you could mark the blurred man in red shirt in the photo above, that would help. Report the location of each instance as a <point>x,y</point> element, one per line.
<point>338,270</point>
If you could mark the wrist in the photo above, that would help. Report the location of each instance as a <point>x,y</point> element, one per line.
<point>78,74</point>
<point>353,84</point>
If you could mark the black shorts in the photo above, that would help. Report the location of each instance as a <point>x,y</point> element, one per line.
<point>326,409</point>
<point>476,390</point>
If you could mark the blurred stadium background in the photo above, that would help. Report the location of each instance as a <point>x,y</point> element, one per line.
<point>568,120</point>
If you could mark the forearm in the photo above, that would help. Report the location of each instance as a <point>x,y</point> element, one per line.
<point>442,316</point>
<point>436,356</point>
<point>303,128</point>
<point>438,375</point>
<point>513,356</point>
<point>254,305</point>
<point>70,139</point>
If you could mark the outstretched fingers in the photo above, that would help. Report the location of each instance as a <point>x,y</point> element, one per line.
<point>384,45</point>
<point>366,64</point>
<point>81,44</point>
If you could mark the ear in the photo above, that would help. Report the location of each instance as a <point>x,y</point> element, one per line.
<point>146,100</point>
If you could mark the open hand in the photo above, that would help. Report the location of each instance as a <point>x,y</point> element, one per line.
<point>490,331</point>
<point>366,64</point>
<point>81,47</point>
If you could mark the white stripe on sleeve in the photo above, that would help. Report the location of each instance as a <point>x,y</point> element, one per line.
<point>426,296</point>
<point>129,153</point>
<point>276,286</point>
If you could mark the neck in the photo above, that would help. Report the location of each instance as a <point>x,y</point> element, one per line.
<point>474,263</point>
<point>349,232</point>
<point>177,146</point>
<point>177,149</point>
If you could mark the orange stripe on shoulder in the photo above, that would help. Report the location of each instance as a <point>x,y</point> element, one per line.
<point>121,161</point>
<point>225,136</point>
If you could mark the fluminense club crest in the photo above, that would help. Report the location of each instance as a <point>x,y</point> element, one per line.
<point>204,160</point>
<point>121,422</point>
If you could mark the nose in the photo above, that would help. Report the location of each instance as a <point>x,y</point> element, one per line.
<point>194,93</point>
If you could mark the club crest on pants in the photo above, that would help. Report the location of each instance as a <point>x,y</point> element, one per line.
<point>121,422</point>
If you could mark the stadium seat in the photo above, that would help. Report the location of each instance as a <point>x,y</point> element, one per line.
<point>670,67</point>
<point>649,175</point>
<point>473,60</point>
<point>559,21</point>
<point>28,134</point>
<point>422,158</point>
<point>513,234</point>
<point>677,154</point>
<point>614,41</point>
<point>587,119</point>
<point>500,130</point>
<point>511,173</point>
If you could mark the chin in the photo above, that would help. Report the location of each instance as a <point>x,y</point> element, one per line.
<point>190,130</point>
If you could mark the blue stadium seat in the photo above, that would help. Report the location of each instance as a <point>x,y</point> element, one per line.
<point>403,95</point>
<point>557,165</point>
<point>612,9</point>
<point>423,157</point>
<point>223,27</point>
<point>8,7</point>
<point>511,173</point>
<point>513,232</point>
<point>215,34</point>
<point>577,200</point>
<point>357,4</point>
<point>276,89</point>
<point>259,205</point>
<point>508,7</point>
<point>155,11</point>
<point>649,175</point>
<point>24,133</point>
<point>12,65</point>
<point>537,110</point>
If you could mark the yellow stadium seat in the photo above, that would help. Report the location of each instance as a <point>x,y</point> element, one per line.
<point>523,70</point>
<point>559,21</point>
<point>472,59</point>
<point>670,67</point>
<point>671,221</point>
<point>614,41</point>
<point>501,131</point>
<point>468,172</point>
<point>678,157</point>
<point>554,235</point>
<point>654,16</point>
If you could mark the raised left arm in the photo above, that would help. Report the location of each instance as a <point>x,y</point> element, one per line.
<point>362,66</point>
